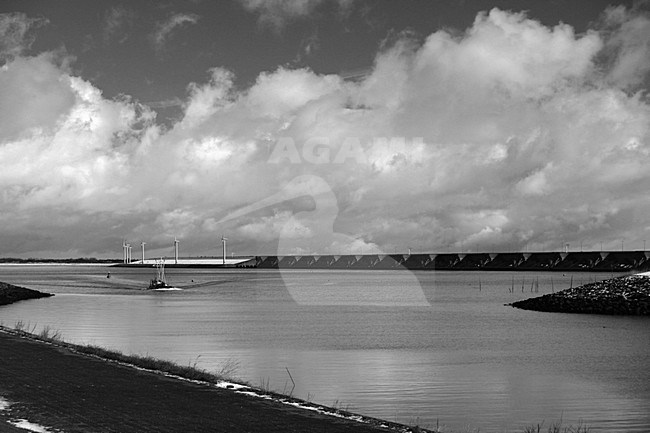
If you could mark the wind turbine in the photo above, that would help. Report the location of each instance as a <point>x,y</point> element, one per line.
<point>297,233</point>
<point>175,250</point>
<point>123,250</point>
<point>142,244</point>
<point>223,242</point>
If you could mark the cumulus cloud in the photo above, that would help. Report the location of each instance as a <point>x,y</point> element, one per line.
<point>205,100</point>
<point>81,159</point>
<point>511,135</point>
<point>284,91</point>
<point>164,30</point>
<point>33,96</point>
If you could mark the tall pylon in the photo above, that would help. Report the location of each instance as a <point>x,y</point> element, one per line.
<point>223,242</point>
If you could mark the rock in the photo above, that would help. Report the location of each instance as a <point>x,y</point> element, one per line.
<point>628,295</point>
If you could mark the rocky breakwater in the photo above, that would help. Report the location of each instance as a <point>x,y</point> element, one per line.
<point>628,295</point>
<point>10,293</point>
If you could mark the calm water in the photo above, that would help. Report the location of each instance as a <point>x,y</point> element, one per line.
<point>460,357</point>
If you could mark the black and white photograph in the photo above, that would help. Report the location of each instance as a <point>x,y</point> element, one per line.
<point>325,216</point>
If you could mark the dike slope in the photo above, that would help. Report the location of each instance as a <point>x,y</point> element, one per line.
<point>629,295</point>
<point>54,386</point>
<point>10,293</point>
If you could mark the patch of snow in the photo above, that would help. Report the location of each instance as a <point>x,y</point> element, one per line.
<point>24,424</point>
<point>298,405</point>
<point>4,404</point>
<point>167,289</point>
<point>254,394</point>
<point>230,385</point>
<point>305,406</point>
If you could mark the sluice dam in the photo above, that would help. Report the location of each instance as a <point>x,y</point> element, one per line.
<point>621,261</point>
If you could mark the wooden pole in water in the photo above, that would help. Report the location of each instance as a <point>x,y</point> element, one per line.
<point>552,286</point>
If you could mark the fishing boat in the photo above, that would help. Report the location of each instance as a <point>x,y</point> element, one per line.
<point>159,281</point>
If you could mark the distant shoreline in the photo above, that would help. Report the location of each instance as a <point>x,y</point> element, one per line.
<point>10,294</point>
<point>56,264</point>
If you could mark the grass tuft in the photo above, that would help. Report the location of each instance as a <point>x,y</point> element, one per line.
<point>556,427</point>
<point>51,335</point>
<point>265,385</point>
<point>191,372</point>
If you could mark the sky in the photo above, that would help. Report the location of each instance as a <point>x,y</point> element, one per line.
<point>323,126</point>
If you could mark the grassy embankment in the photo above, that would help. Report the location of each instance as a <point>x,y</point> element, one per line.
<point>222,378</point>
<point>189,372</point>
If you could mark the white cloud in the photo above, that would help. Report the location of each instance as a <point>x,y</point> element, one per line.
<point>282,92</point>
<point>33,96</point>
<point>205,100</point>
<point>511,134</point>
<point>534,184</point>
<point>72,148</point>
<point>268,228</point>
<point>164,30</point>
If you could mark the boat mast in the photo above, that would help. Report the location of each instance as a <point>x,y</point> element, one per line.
<point>160,270</point>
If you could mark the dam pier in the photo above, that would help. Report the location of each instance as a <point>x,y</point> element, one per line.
<point>612,261</point>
